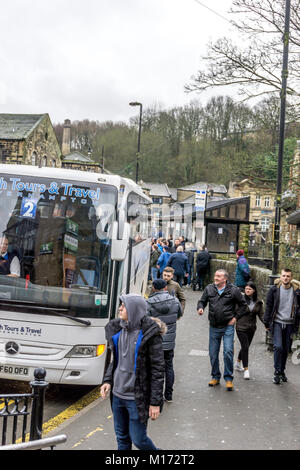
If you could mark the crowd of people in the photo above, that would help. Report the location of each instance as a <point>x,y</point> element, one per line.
<point>142,340</point>
<point>179,255</point>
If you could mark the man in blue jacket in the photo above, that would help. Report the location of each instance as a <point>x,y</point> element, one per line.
<point>179,262</point>
<point>135,376</point>
<point>163,259</point>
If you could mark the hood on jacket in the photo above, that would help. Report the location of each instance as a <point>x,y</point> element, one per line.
<point>162,326</point>
<point>136,307</point>
<point>294,283</point>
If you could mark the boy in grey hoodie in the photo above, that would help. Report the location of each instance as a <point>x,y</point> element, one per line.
<point>136,374</point>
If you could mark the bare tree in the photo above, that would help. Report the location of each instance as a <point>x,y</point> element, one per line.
<point>254,69</point>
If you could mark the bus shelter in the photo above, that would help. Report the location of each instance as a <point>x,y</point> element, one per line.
<point>221,220</point>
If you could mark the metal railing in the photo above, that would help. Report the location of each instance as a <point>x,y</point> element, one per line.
<point>15,410</point>
<point>37,445</point>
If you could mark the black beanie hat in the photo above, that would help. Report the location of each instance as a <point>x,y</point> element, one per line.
<point>159,284</point>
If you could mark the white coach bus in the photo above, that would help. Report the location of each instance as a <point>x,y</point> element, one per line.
<point>71,243</point>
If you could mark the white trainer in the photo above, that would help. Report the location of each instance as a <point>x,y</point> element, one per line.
<point>238,366</point>
<point>246,374</point>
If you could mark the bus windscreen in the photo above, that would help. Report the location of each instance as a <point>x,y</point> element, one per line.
<point>55,246</point>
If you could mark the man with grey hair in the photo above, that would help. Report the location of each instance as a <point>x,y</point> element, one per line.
<point>223,298</point>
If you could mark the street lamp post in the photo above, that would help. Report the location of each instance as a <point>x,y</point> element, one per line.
<point>276,235</point>
<point>135,103</point>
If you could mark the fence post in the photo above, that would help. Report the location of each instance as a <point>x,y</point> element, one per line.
<point>38,386</point>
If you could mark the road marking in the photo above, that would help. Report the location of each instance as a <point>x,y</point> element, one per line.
<point>69,412</point>
<point>197,352</point>
<point>90,434</point>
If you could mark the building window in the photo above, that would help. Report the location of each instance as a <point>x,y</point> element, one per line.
<point>257,200</point>
<point>265,224</point>
<point>157,200</point>
<point>267,201</point>
<point>44,160</point>
<point>34,159</point>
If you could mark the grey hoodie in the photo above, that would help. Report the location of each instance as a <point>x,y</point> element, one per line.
<point>124,376</point>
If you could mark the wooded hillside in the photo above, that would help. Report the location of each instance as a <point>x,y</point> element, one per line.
<point>219,142</point>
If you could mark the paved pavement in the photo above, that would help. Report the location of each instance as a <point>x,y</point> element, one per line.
<point>256,415</point>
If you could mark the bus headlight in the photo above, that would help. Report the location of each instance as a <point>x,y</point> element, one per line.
<point>87,350</point>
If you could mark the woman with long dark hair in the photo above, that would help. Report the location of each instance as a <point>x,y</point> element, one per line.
<point>246,327</point>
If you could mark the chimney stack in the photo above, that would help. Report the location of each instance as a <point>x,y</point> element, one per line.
<point>66,141</point>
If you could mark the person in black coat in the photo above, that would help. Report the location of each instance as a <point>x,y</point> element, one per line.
<point>246,326</point>
<point>136,375</point>
<point>202,265</point>
<point>223,299</point>
<point>179,262</point>
<point>161,304</point>
<point>282,317</point>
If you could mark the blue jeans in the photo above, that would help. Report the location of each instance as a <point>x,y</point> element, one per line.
<point>128,427</point>
<point>154,273</point>
<point>215,336</point>
<point>282,341</point>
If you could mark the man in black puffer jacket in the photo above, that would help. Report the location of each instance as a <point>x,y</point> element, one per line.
<point>166,307</point>
<point>136,375</point>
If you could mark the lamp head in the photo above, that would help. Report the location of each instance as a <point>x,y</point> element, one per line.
<point>135,103</point>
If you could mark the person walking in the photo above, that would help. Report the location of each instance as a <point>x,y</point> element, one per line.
<point>202,265</point>
<point>163,259</point>
<point>282,315</point>
<point>173,287</point>
<point>226,306</point>
<point>246,327</point>
<point>135,377</point>
<point>155,254</point>
<point>179,262</point>
<point>167,308</point>
<point>175,245</point>
<point>242,271</point>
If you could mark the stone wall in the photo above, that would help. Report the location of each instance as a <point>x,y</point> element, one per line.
<point>292,263</point>
<point>260,276</point>
<point>43,141</point>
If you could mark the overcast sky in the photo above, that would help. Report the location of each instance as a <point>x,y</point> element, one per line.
<point>82,59</point>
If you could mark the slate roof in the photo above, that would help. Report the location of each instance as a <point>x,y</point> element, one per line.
<point>174,193</point>
<point>18,126</point>
<point>76,156</point>
<point>217,188</point>
<point>294,218</point>
<point>157,189</point>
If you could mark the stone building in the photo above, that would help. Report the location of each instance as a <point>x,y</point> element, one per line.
<point>214,192</point>
<point>73,159</point>
<point>28,139</point>
<point>292,203</point>
<point>262,202</point>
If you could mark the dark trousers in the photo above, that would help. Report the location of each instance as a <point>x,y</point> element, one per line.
<point>281,344</point>
<point>128,427</point>
<point>245,338</point>
<point>200,278</point>
<point>169,373</point>
<point>178,278</point>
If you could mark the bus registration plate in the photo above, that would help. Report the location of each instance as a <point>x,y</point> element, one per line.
<point>14,370</point>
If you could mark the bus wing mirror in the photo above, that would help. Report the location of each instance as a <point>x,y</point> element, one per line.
<point>119,247</point>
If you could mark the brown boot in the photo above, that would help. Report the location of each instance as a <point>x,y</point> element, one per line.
<point>213,382</point>
<point>229,385</point>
